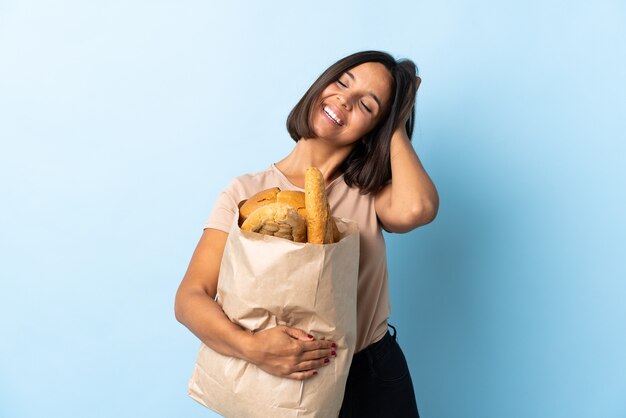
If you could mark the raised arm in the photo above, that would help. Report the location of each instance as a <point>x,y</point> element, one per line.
<point>281,351</point>
<point>411,199</point>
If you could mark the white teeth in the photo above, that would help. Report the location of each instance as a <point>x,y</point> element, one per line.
<point>332,115</point>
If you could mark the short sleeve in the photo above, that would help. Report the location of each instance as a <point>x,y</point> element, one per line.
<point>224,210</point>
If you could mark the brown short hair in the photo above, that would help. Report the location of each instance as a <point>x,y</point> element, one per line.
<point>368,166</point>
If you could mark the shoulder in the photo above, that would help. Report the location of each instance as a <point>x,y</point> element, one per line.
<point>245,185</point>
<point>255,179</point>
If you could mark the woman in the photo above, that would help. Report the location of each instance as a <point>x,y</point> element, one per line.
<point>354,124</point>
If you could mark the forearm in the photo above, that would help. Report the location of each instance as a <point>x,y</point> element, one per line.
<point>206,320</point>
<point>281,351</point>
<point>412,190</point>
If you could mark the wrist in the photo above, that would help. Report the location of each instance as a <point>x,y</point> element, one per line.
<point>246,346</point>
<point>400,129</point>
<point>399,141</point>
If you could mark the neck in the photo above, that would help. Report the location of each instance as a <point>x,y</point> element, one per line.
<point>316,153</point>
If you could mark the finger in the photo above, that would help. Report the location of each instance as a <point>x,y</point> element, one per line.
<point>318,345</point>
<point>298,334</point>
<point>318,354</point>
<point>312,364</point>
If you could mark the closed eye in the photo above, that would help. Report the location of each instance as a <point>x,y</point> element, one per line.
<point>362,103</point>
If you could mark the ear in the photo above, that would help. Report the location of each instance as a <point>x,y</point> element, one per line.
<point>418,81</point>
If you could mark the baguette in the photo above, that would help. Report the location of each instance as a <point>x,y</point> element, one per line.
<point>317,209</point>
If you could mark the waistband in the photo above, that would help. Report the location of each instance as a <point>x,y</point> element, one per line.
<point>377,349</point>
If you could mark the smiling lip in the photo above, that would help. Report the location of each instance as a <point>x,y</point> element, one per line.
<point>336,112</point>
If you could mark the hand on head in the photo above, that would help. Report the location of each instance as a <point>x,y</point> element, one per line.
<point>403,123</point>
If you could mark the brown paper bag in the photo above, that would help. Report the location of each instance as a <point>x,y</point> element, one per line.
<point>266,281</point>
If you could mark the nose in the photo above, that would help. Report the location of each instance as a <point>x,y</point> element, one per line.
<point>344,102</point>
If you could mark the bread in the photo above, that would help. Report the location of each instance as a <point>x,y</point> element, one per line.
<point>262,198</point>
<point>277,219</point>
<point>293,198</point>
<point>311,207</point>
<point>317,209</point>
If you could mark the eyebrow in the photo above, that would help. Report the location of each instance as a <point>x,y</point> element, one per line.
<point>370,93</point>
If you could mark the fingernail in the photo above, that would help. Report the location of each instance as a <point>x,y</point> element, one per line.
<point>314,372</point>
<point>333,345</point>
<point>326,360</point>
<point>310,336</point>
<point>332,353</point>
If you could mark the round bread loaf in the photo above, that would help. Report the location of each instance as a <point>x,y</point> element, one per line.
<point>254,202</point>
<point>277,219</point>
<point>293,198</point>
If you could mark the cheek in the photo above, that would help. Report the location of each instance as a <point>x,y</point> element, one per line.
<point>328,91</point>
<point>360,129</point>
<point>366,124</point>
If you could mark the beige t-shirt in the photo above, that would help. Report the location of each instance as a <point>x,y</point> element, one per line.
<point>373,306</point>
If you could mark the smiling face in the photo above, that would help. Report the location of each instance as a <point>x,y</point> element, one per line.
<point>351,106</point>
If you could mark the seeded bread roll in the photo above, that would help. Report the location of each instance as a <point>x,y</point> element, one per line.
<point>317,208</point>
<point>277,219</point>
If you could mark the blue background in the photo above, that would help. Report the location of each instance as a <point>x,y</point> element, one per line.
<point>121,121</point>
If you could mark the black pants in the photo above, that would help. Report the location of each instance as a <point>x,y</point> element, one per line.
<point>379,383</point>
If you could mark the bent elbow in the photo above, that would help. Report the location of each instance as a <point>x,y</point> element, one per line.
<point>429,211</point>
<point>178,308</point>
<point>422,214</point>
